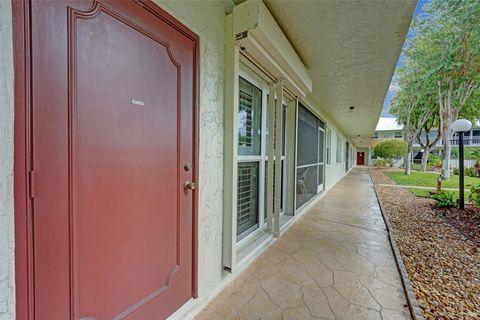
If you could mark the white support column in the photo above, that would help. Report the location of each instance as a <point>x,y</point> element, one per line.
<point>278,157</point>
<point>231,149</point>
<point>270,163</point>
<point>290,170</point>
<point>295,146</point>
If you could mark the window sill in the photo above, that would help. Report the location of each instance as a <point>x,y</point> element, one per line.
<point>255,246</point>
<point>285,220</point>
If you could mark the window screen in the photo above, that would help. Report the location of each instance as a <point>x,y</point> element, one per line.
<point>247,205</point>
<point>307,147</point>
<point>310,157</point>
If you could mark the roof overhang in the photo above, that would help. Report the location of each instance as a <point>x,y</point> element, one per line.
<point>350,49</point>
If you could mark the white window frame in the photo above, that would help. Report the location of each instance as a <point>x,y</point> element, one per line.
<point>245,237</point>
<point>328,147</point>
<point>320,187</point>
<point>242,51</point>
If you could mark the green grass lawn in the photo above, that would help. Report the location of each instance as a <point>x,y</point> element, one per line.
<point>420,192</point>
<point>426,193</point>
<point>426,179</point>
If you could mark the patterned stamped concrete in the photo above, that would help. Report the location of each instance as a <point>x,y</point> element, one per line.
<point>334,263</point>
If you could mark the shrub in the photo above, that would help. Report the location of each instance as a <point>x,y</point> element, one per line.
<point>476,167</point>
<point>434,161</point>
<point>379,163</point>
<point>469,153</point>
<point>474,195</point>
<point>416,167</point>
<point>390,150</point>
<point>475,154</point>
<point>445,199</point>
<point>471,172</point>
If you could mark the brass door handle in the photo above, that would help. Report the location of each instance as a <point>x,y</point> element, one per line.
<point>188,185</point>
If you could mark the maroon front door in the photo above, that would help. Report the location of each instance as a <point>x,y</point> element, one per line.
<point>360,158</point>
<point>113,90</point>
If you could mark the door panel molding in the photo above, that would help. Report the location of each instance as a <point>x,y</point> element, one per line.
<point>75,16</point>
<point>23,141</point>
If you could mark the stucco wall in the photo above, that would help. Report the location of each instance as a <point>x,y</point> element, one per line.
<point>7,288</point>
<point>207,19</point>
<point>336,170</point>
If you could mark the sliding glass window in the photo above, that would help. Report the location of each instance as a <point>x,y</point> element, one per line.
<point>249,156</point>
<point>310,156</point>
<point>253,156</point>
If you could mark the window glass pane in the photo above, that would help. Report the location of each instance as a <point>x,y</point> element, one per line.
<point>247,203</point>
<point>329,146</point>
<point>249,119</point>
<point>320,145</point>
<point>347,156</point>
<point>266,188</point>
<point>339,148</point>
<point>306,184</point>
<point>307,147</point>
<point>320,174</point>
<point>284,120</point>
<point>265,202</point>
<point>283,128</point>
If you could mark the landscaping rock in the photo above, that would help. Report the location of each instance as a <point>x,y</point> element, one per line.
<point>440,252</point>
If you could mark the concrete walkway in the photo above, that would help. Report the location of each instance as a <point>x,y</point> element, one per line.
<point>334,263</point>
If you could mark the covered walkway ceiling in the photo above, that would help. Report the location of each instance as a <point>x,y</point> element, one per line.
<point>350,49</point>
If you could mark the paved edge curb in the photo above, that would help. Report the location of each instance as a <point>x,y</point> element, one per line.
<point>415,310</point>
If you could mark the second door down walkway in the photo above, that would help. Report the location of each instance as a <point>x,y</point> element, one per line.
<point>334,263</point>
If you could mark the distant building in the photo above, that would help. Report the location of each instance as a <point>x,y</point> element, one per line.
<point>389,128</point>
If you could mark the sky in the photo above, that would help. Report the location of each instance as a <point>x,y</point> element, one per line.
<point>394,85</point>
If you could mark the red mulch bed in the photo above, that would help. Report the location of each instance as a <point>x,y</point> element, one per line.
<point>466,221</point>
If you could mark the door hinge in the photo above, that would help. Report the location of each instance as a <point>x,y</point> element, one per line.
<point>31,183</point>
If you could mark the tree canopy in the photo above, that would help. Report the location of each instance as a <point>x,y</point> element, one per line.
<point>390,150</point>
<point>439,79</point>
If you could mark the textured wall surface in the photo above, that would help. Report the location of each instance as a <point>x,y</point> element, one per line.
<point>207,20</point>
<point>7,288</point>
